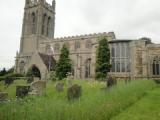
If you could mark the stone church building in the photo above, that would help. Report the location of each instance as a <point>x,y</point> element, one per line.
<point>39,50</point>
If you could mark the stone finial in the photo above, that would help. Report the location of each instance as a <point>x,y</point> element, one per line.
<point>27,2</point>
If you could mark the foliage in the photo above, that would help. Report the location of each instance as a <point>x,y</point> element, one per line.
<point>63,65</point>
<point>3,72</point>
<point>52,76</point>
<point>102,59</point>
<point>94,104</point>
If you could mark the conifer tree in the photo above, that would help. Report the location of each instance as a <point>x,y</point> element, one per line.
<point>63,66</point>
<point>102,59</point>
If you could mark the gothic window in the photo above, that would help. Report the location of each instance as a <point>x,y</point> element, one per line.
<point>88,44</point>
<point>43,23</point>
<point>156,66</point>
<point>88,68</point>
<point>21,67</point>
<point>48,26</point>
<point>77,45</point>
<point>33,23</point>
<point>120,57</point>
<point>56,47</point>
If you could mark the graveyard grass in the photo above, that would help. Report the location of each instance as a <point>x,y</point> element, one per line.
<point>94,104</point>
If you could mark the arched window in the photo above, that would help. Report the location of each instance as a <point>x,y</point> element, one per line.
<point>88,68</point>
<point>21,67</point>
<point>33,23</point>
<point>48,26</point>
<point>43,23</point>
<point>77,45</point>
<point>56,47</point>
<point>156,66</point>
<point>88,44</point>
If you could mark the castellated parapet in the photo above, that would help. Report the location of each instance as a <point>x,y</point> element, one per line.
<point>33,3</point>
<point>110,36</point>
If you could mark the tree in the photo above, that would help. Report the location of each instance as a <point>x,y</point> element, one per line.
<point>3,72</point>
<point>64,65</point>
<point>102,59</point>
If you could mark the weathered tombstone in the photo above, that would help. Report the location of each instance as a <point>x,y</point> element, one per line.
<point>111,81</point>
<point>38,88</point>
<point>3,96</point>
<point>59,87</point>
<point>36,78</point>
<point>22,91</point>
<point>74,92</point>
<point>8,81</point>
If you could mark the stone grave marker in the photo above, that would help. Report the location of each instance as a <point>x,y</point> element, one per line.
<point>74,92</point>
<point>59,87</point>
<point>22,90</point>
<point>38,88</point>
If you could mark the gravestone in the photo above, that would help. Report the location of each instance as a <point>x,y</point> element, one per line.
<point>111,81</point>
<point>22,91</point>
<point>74,92</point>
<point>59,87</point>
<point>38,88</point>
<point>3,96</point>
<point>36,78</point>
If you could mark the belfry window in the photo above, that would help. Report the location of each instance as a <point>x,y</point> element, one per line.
<point>33,23</point>
<point>120,57</point>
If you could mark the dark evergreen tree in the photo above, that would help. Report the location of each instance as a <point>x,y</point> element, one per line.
<point>102,60</point>
<point>63,65</point>
<point>3,72</point>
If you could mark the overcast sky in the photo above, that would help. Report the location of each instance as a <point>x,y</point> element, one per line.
<point>129,19</point>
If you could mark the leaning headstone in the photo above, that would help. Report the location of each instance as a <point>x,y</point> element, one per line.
<point>74,92</point>
<point>38,88</point>
<point>22,91</point>
<point>111,81</point>
<point>59,87</point>
<point>3,96</point>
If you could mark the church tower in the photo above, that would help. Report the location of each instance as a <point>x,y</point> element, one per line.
<point>38,26</point>
<point>38,22</point>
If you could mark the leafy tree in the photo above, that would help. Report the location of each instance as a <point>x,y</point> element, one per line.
<point>102,59</point>
<point>3,72</point>
<point>63,65</point>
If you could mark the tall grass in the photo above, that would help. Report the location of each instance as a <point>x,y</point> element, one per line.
<point>95,103</point>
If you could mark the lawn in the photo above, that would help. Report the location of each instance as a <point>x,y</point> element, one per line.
<point>148,108</point>
<point>95,103</point>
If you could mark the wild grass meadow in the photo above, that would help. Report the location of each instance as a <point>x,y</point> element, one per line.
<point>96,103</point>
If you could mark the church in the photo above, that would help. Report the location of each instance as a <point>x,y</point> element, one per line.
<point>39,49</point>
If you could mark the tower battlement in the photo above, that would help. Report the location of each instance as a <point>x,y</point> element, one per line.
<point>33,3</point>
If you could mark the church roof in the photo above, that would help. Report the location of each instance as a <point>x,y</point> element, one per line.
<point>48,60</point>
